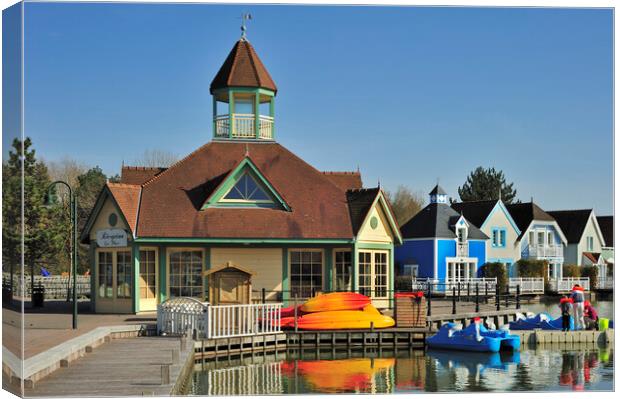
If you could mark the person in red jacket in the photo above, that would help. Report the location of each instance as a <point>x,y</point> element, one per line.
<point>590,316</point>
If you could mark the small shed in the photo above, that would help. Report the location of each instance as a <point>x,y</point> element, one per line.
<point>229,284</point>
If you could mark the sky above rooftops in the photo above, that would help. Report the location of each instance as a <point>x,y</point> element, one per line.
<point>410,95</point>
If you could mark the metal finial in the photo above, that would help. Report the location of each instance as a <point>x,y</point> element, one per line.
<point>244,17</point>
<point>499,190</point>
<point>247,150</point>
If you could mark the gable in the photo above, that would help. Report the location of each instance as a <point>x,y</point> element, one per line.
<point>376,227</point>
<point>499,217</point>
<point>246,187</point>
<point>592,230</point>
<point>103,218</point>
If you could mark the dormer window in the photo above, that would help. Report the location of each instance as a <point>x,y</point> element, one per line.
<point>247,189</point>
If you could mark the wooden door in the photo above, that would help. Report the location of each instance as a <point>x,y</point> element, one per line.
<point>230,288</point>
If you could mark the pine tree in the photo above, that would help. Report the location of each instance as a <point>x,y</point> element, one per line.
<point>486,184</point>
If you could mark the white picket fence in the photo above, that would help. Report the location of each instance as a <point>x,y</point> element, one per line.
<point>179,316</point>
<point>447,286</point>
<point>528,285</point>
<point>55,286</point>
<point>565,284</point>
<point>605,283</point>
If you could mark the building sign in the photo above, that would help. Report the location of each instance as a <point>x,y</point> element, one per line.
<point>112,238</point>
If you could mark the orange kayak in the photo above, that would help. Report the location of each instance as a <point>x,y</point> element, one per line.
<point>340,320</point>
<point>335,301</point>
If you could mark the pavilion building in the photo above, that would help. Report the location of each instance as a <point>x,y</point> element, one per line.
<point>241,210</point>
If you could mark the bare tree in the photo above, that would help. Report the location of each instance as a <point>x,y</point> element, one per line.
<point>68,170</point>
<point>157,158</point>
<point>405,203</point>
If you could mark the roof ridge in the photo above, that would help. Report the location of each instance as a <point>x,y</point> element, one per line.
<point>176,164</point>
<point>115,184</point>
<point>234,62</point>
<point>340,173</point>
<point>143,167</point>
<point>572,210</point>
<point>250,49</point>
<point>475,201</point>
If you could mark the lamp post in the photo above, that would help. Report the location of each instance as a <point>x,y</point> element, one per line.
<point>74,255</point>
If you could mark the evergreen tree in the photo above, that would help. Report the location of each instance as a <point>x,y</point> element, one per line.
<point>486,184</point>
<point>41,234</point>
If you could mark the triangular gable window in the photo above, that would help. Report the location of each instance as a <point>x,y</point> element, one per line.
<point>247,189</point>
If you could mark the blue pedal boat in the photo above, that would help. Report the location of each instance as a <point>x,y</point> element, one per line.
<point>508,341</point>
<point>450,337</point>
<point>543,321</point>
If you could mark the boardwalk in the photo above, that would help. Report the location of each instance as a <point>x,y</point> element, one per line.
<point>121,367</point>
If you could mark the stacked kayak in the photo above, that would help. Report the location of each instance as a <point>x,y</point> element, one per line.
<point>451,336</point>
<point>541,321</point>
<point>335,311</point>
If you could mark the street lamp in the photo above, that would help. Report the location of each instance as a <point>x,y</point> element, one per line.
<point>50,199</point>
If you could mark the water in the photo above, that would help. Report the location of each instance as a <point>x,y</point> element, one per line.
<point>550,305</point>
<point>558,367</point>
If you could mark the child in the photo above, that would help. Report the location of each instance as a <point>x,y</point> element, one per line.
<point>565,307</point>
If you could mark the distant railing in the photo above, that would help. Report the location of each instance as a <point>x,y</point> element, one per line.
<point>605,283</point>
<point>545,251</point>
<point>462,285</point>
<point>566,284</point>
<point>244,126</point>
<point>183,316</point>
<point>56,287</point>
<point>528,285</point>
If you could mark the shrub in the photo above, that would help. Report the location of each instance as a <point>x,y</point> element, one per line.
<point>533,268</point>
<point>592,273</point>
<point>571,271</point>
<point>496,270</point>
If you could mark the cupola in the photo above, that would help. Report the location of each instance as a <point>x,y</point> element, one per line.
<point>243,97</point>
<point>438,195</point>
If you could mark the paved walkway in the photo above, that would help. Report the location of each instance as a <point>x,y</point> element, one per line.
<point>51,326</point>
<point>121,367</point>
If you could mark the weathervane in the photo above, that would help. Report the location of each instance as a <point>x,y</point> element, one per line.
<point>244,17</point>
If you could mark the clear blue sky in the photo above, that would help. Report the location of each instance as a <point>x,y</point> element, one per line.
<point>408,94</point>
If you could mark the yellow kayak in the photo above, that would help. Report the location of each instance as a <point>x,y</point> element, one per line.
<point>335,301</point>
<point>341,319</point>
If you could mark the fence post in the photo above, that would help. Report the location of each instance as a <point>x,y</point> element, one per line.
<point>477,300</point>
<point>263,295</point>
<point>507,296</point>
<point>453,300</point>
<point>497,304</point>
<point>458,284</point>
<point>518,296</point>
<point>429,294</point>
<point>486,292</point>
<point>295,310</point>
<point>468,293</point>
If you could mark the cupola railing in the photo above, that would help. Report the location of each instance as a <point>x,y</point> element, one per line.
<point>244,126</point>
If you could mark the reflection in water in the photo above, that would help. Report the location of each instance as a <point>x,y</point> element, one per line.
<point>543,368</point>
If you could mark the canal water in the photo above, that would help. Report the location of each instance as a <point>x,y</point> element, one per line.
<point>551,306</point>
<point>557,367</point>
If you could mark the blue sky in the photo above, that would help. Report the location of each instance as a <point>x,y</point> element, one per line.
<point>411,95</point>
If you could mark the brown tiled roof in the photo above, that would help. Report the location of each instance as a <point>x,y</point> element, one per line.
<point>171,202</point>
<point>242,68</point>
<point>360,202</point>
<point>138,174</point>
<point>127,196</point>
<point>345,180</point>
<point>606,223</point>
<point>593,256</point>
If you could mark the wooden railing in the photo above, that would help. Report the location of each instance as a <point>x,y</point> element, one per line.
<point>545,251</point>
<point>244,126</point>
<point>528,285</point>
<point>183,316</point>
<point>565,284</point>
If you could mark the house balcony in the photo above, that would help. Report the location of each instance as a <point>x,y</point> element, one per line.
<point>244,126</point>
<point>545,251</point>
<point>462,249</point>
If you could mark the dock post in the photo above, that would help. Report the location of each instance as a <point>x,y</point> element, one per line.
<point>428,303</point>
<point>477,300</point>
<point>453,300</point>
<point>458,284</point>
<point>507,297</point>
<point>497,304</point>
<point>295,310</point>
<point>486,292</point>
<point>468,293</point>
<point>518,299</point>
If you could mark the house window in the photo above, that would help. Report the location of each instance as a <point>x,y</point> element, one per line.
<point>532,238</point>
<point>462,235</point>
<point>550,240</point>
<point>123,274</point>
<point>147,274</point>
<point>247,189</point>
<point>306,273</point>
<point>342,275</point>
<point>186,273</point>
<point>411,270</point>
<point>498,237</point>
<point>590,241</point>
<point>373,273</point>
<point>106,267</point>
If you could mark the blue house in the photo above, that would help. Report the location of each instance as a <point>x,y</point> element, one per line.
<point>440,243</point>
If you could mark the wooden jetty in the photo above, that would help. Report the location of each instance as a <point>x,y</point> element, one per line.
<point>537,337</point>
<point>387,337</point>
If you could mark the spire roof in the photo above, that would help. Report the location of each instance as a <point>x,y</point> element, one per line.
<point>437,191</point>
<point>242,68</point>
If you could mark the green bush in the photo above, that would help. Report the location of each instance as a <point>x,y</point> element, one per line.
<point>592,273</point>
<point>571,271</point>
<point>496,270</point>
<point>533,268</point>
